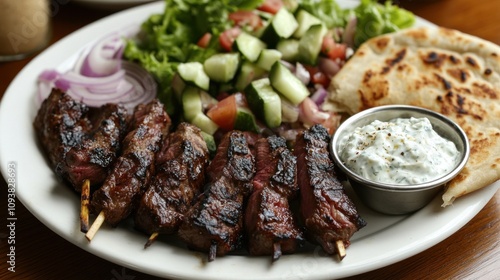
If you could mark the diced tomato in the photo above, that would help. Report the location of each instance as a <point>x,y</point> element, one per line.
<point>271,6</point>
<point>333,49</point>
<point>332,122</point>
<point>224,113</point>
<point>204,40</point>
<point>246,18</point>
<point>227,38</point>
<point>318,77</point>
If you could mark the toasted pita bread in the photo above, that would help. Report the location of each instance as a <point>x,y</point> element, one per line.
<point>444,70</point>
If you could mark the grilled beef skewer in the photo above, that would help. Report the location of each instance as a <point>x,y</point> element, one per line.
<point>269,222</point>
<point>215,223</point>
<point>60,125</point>
<point>329,215</point>
<point>81,142</point>
<point>99,149</point>
<point>179,179</point>
<point>122,189</point>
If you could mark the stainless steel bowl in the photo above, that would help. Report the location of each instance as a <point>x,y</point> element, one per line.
<point>391,198</point>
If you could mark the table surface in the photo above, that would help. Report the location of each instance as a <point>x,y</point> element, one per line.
<point>473,252</point>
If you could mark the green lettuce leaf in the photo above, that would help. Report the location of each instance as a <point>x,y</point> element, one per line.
<point>375,19</point>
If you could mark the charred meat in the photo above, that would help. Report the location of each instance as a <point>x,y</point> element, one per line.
<point>124,186</point>
<point>269,222</point>
<point>81,142</point>
<point>179,179</point>
<point>98,151</point>
<point>328,213</point>
<point>215,223</point>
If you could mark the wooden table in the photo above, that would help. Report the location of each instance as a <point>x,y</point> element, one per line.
<point>471,253</point>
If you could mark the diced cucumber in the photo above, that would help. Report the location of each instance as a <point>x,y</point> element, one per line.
<point>191,103</point>
<point>291,5</point>
<point>192,73</point>
<point>305,20</point>
<point>245,120</point>
<point>249,46</point>
<point>289,49</point>
<point>178,86</point>
<point>205,123</point>
<point>267,58</point>
<point>264,102</point>
<point>310,44</point>
<point>248,72</point>
<point>222,67</point>
<point>282,26</point>
<point>285,82</point>
<point>211,145</point>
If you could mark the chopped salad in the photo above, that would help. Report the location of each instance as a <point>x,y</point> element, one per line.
<point>252,65</point>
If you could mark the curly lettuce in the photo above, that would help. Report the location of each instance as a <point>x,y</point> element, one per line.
<point>375,19</point>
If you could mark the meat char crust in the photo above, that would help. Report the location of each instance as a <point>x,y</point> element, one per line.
<point>328,213</point>
<point>81,142</point>
<point>122,189</point>
<point>216,220</point>
<point>179,179</point>
<point>268,218</point>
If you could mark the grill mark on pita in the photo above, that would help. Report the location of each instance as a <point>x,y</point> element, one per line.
<point>471,61</point>
<point>488,71</point>
<point>446,83</point>
<point>454,60</point>
<point>382,42</point>
<point>435,59</point>
<point>368,75</point>
<point>483,90</point>
<point>391,62</point>
<point>453,102</point>
<point>458,74</point>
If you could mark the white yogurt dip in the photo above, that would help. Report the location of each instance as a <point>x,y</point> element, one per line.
<point>402,151</point>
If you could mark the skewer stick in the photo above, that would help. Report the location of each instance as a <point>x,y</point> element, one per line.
<point>95,226</point>
<point>151,239</point>
<point>276,251</point>
<point>339,244</point>
<point>212,252</point>
<point>84,206</point>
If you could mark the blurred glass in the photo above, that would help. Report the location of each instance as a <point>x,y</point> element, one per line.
<point>24,28</point>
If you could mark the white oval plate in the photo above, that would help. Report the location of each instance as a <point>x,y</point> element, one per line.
<point>111,4</point>
<point>386,239</point>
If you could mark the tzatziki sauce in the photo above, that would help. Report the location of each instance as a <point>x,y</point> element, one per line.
<point>402,151</point>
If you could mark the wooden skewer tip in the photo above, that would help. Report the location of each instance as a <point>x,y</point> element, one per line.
<point>95,226</point>
<point>151,239</point>
<point>84,206</point>
<point>339,244</point>
<point>212,253</point>
<point>276,251</point>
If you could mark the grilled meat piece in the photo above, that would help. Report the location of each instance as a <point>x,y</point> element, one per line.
<point>98,151</point>
<point>179,179</point>
<point>269,222</point>
<point>60,125</point>
<point>81,142</point>
<point>124,186</point>
<point>328,213</point>
<point>215,223</point>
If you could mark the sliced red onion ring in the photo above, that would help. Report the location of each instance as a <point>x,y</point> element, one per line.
<point>329,67</point>
<point>131,85</point>
<point>319,95</point>
<point>100,76</point>
<point>302,74</point>
<point>350,29</point>
<point>310,113</point>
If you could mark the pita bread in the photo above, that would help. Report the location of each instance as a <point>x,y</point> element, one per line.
<point>444,70</point>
